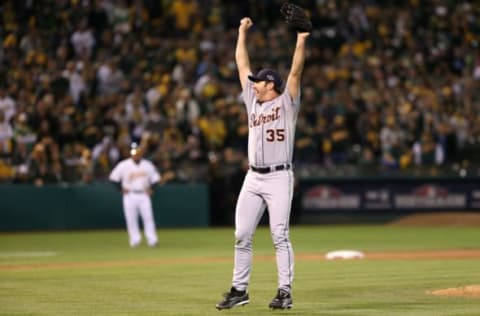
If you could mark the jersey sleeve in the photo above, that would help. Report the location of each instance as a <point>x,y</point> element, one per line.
<point>116,174</point>
<point>153,174</point>
<point>248,95</point>
<point>295,101</point>
<point>286,98</point>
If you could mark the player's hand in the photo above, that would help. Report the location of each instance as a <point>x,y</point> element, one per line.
<point>303,35</point>
<point>124,191</point>
<point>245,24</point>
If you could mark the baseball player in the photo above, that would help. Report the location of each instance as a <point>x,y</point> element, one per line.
<point>272,115</point>
<point>136,177</point>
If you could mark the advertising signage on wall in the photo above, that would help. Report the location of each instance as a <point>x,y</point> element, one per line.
<point>411,195</point>
<point>430,196</point>
<point>327,196</point>
<point>475,202</point>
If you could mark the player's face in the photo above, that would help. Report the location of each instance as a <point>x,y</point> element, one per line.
<point>261,88</point>
<point>136,154</point>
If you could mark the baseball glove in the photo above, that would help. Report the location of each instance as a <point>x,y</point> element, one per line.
<point>296,17</point>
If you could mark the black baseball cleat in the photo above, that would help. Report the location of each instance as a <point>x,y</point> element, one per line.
<point>283,300</point>
<point>232,299</point>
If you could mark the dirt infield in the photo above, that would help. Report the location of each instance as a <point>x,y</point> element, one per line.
<point>467,219</point>
<point>466,291</point>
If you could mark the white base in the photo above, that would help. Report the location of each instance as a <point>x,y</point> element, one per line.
<point>344,254</point>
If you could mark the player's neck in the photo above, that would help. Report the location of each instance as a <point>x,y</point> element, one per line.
<point>268,97</point>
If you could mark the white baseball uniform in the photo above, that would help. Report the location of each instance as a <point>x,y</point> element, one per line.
<point>268,183</point>
<point>136,179</point>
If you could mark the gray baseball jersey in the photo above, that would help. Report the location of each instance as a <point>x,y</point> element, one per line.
<point>271,128</point>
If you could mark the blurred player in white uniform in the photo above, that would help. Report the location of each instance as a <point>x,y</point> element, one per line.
<point>272,115</point>
<point>136,177</point>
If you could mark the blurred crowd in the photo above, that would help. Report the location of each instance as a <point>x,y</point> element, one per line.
<point>387,86</point>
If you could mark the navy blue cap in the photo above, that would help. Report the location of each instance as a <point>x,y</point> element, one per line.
<point>268,75</point>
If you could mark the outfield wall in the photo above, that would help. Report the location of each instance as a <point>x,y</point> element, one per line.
<point>96,206</point>
<point>380,199</point>
<point>316,200</point>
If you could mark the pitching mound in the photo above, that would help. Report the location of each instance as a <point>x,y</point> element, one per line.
<point>469,291</point>
<point>440,219</point>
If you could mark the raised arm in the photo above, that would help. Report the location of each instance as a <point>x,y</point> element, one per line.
<point>241,53</point>
<point>295,75</point>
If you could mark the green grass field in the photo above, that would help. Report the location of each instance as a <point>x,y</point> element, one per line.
<point>96,273</point>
